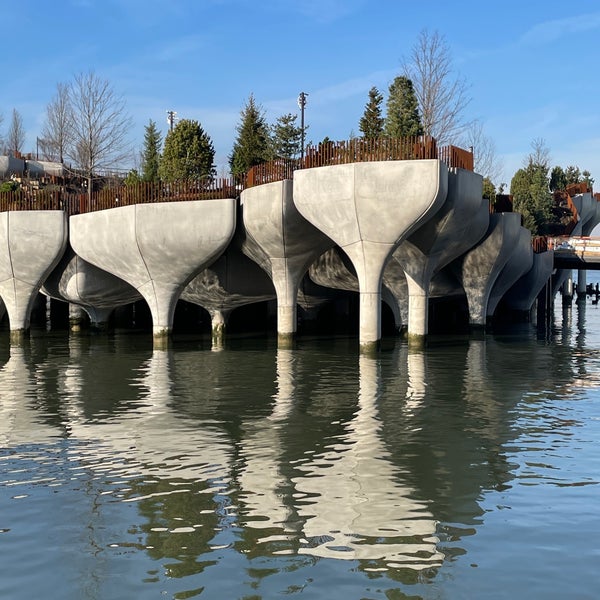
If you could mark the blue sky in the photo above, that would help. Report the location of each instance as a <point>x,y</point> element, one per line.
<point>531,66</point>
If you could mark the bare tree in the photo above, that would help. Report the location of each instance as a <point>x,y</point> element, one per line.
<point>56,130</point>
<point>442,96</point>
<point>98,126</point>
<point>15,137</point>
<point>486,161</point>
<point>539,155</point>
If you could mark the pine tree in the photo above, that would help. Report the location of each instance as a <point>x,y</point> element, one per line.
<point>287,137</point>
<point>371,123</point>
<point>188,154</point>
<point>151,153</point>
<point>253,144</point>
<point>402,110</point>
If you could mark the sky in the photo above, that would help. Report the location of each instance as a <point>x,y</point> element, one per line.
<point>530,67</point>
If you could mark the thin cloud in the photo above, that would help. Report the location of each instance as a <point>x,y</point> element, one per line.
<point>550,31</point>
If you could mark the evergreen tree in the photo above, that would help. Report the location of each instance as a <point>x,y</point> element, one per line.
<point>253,144</point>
<point>151,153</point>
<point>402,110</point>
<point>287,137</point>
<point>188,153</point>
<point>558,181</point>
<point>371,123</point>
<point>532,198</point>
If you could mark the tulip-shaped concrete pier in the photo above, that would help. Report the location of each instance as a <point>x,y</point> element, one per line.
<point>522,294</point>
<point>479,268</point>
<point>233,280</point>
<point>94,290</point>
<point>455,228</point>
<point>368,209</point>
<point>31,244</point>
<point>156,248</point>
<point>283,243</point>
<point>519,263</point>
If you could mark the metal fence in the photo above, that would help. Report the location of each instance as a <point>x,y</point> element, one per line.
<point>323,154</point>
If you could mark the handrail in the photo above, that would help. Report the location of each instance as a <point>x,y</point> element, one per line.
<point>324,154</point>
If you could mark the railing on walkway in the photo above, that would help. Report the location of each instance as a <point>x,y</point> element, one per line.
<point>36,200</point>
<point>324,154</point>
<point>146,193</point>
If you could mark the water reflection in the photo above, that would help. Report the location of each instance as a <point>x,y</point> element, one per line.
<point>354,502</point>
<point>200,459</point>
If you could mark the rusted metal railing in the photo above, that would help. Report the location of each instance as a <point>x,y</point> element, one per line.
<point>147,193</point>
<point>274,170</point>
<point>456,157</point>
<point>324,154</point>
<point>35,200</point>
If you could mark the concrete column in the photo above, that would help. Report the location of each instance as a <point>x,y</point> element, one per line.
<point>156,248</point>
<point>31,244</point>
<point>456,227</point>
<point>286,281</point>
<point>283,243</point>
<point>77,317</point>
<point>88,289</point>
<point>218,322</point>
<point>479,268</point>
<point>581,284</point>
<point>368,209</point>
<point>418,313</point>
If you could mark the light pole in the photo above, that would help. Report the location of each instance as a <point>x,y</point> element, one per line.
<point>171,116</point>
<point>302,104</point>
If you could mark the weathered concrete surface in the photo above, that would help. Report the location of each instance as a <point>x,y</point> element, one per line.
<point>521,296</point>
<point>479,268</point>
<point>368,209</point>
<point>96,291</point>
<point>519,262</point>
<point>456,227</point>
<point>233,280</point>
<point>283,243</point>
<point>587,209</point>
<point>31,244</point>
<point>333,269</point>
<point>156,248</point>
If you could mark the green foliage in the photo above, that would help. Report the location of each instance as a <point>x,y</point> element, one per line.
<point>560,178</point>
<point>9,186</point>
<point>489,189</point>
<point>188,154</point>
<point>287,137</point>
<point>151,152</point>
<point>531,197</point>
<point>402,110</point>
<point>253,143</point>
<point>371,123</point>
<point>133,178</point>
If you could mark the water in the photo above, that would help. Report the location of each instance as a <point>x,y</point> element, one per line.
<point>469,470</point>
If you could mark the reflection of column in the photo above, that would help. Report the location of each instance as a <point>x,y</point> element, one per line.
<point>260,479</point>
<point>354,504</point>
<point>416,380</point>
<point>18,418</point>
<point>156,380</point>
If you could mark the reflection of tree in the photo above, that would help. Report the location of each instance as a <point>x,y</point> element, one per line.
<point>181,517</point>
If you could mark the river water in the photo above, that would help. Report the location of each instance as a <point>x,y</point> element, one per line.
<point>468,470</point>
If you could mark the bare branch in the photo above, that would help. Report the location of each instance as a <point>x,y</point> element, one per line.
<point>15,137</point>
<point>487,162</point>
<point>442,97</point>
<point>97,134</point>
